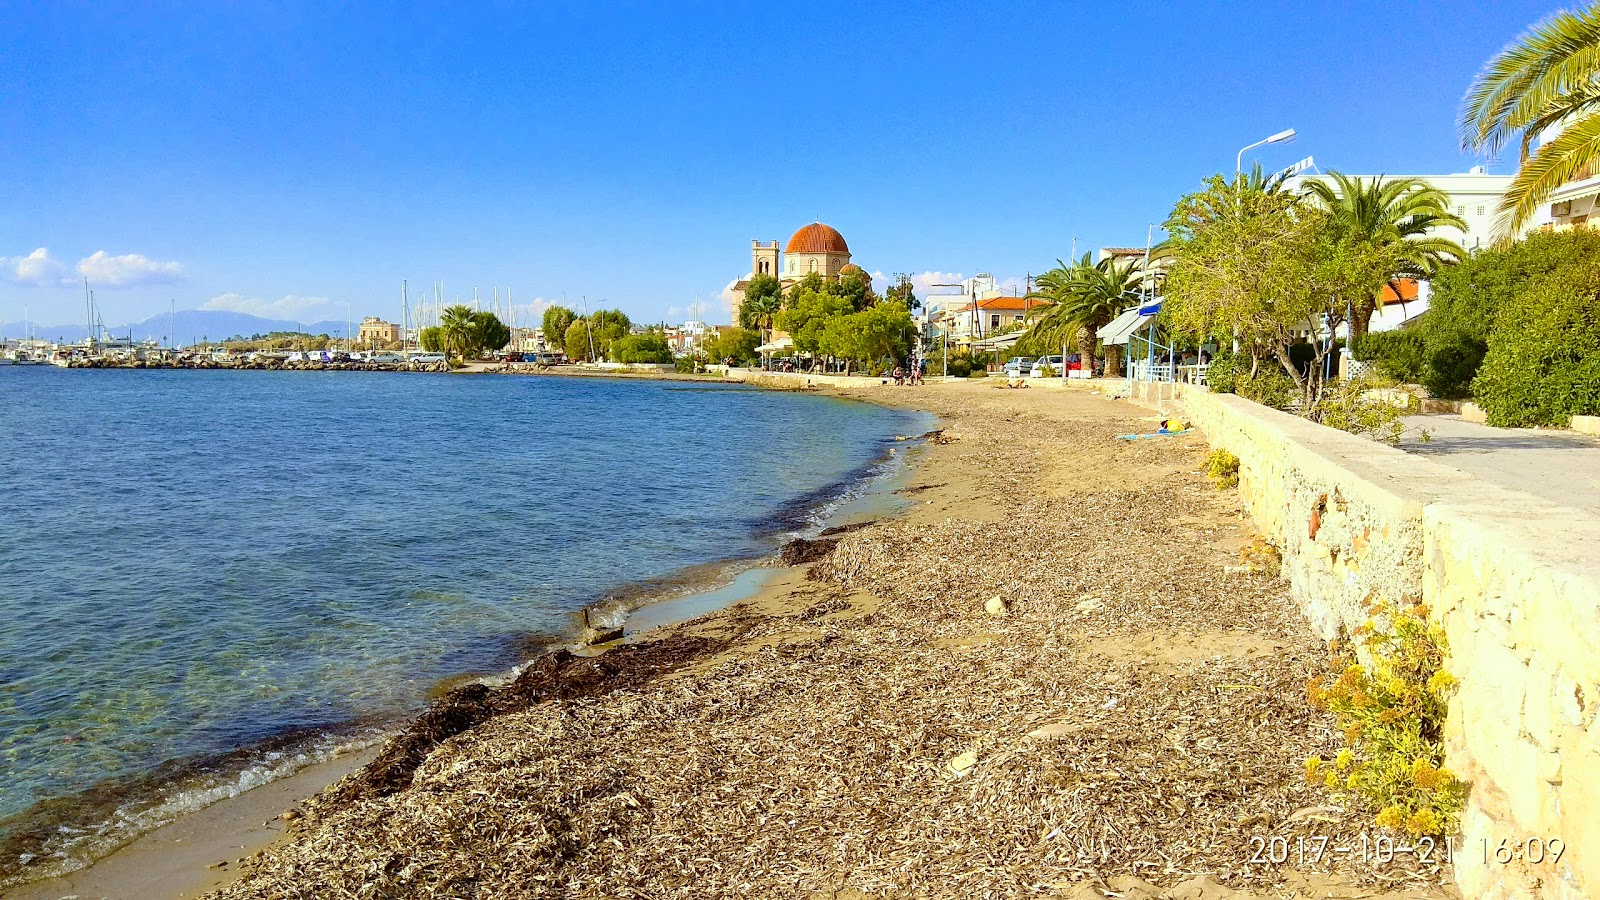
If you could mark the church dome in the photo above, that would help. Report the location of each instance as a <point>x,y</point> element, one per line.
<point>817,238</point>
<point>852,267</point>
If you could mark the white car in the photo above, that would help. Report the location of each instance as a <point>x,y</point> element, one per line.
<point>387,358</point>
<point>1054,364</point>
<point>1018,366</point>
<point>427,359</point>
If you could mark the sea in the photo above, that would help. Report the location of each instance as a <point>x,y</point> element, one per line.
<point>209,579</point>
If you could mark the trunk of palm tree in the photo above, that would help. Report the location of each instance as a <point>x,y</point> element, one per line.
<point>1086,348</point>
<point>1113,361</point>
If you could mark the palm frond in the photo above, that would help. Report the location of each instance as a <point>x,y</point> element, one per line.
<point>1535,78</point>
<point>1555,163</point>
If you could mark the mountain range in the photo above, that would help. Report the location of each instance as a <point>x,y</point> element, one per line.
<point>187,326</point>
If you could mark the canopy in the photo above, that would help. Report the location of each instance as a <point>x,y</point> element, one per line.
<point>775,346</point>
<point>999,342</point>
<point>1126,324</point>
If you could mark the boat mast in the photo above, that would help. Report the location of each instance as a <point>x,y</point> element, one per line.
<point>405,316</point>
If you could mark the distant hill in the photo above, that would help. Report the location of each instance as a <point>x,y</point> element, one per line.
<point>190,325</point>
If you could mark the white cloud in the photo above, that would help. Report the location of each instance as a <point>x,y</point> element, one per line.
<point>37,268</point>
<point>726,296</point>
<point>287,307</point>
<point>129,269</point>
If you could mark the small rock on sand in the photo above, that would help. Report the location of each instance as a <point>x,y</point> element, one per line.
<point>997,606</point>
<point>961,764</point>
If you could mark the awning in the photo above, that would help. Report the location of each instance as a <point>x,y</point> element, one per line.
<point>999,342</point>
<point>1117,332</point>
<point>775,346</point>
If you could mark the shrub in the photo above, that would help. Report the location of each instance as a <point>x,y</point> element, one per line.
<point>978,372</point>
<point>1401,355</point>
<point>1392,714</point>
<point>960,366</point>
<point>687,365</point>
<point>1543,364</point>
<point>1271,386</point>
<point>1452,363</point>
<point>1224,369</point>
<point>1351,406</point>
<point>1466,300</point>
<point>1222,468</point>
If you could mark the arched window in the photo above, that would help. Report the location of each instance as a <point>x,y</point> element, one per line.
<point>791,266</point>
<point>813,265</point>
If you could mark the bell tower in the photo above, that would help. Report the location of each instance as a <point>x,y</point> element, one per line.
<point>764,258</point>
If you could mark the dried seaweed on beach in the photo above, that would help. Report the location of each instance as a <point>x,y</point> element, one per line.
<point>1122,723</point>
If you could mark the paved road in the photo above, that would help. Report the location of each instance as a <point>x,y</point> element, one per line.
<point>1558,465</point>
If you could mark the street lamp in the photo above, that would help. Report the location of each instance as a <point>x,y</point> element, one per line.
<point>1282,137</point>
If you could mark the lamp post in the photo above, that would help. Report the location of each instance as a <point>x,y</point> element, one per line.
<point>1282,137</point>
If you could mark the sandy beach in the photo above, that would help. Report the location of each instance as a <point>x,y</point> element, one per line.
<point>1064,672</point>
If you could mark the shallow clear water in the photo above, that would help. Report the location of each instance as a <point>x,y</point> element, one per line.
<point>196,561</point>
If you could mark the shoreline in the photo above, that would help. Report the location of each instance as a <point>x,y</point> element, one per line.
<point>870,726</point>
<point>226,828</point>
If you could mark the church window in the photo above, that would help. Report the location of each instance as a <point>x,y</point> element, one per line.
<point>813,265</point>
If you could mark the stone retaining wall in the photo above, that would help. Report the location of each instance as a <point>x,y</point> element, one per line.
<point>1513,580</point>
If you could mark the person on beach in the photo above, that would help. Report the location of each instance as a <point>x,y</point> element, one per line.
<point>899,375</point>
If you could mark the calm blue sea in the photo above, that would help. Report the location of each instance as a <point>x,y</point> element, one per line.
<point>193,562</point>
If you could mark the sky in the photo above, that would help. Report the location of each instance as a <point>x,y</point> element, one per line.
<point>299,161</point>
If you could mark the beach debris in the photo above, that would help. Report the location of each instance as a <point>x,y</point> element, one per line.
<point>1088,603</point>
<point>1059,729</point>
<point>289,815</point>
<point>835,530</point>
<point>997,606</point>
<point>800,551</point>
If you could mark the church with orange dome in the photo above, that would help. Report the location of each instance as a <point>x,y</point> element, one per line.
<point>815,248</point>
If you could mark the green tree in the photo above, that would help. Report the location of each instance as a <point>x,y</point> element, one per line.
<point>739,344</point>
<point>557,319</point>
<point>808,315</point>
<point>882,331</point>
<point>1261,265</point>
<point>763,297</point>
<point>432,339</point>
<point>577,341</point>
<point>855,286</point>
<point>1549,76</point>
<point>459,329</point>
<point>901,290</point>
<point>1398,215</point>
<point>610,326</point>
<point>649,347</point>
<point>489,333</point>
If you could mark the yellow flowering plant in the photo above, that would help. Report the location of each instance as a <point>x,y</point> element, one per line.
<point>1392,715</point>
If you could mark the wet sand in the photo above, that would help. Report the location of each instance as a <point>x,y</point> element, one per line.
<point>199,852</point>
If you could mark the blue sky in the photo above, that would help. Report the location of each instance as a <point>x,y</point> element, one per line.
<point>290,160</point>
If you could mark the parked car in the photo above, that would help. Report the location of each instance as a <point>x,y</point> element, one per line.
<point>386,358</point>
<point>1054,364</point>
<point>1018,366</point>
<point>427,359</point>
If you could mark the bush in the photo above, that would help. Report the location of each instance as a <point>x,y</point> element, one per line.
<point>1224,370</point>
<point>1466,300</point>
<point>688,365</point>
<point>960,366</point>
<point>1222,468</point>
<point>1392,714</point>
<point>1452,363</point>
<point>978,372</point>
<point>1401,355</point>
<point>1349,406</point>
<point>1543,364</point>
<point>1271,386</point>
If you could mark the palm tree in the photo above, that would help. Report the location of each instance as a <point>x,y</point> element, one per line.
<point>759,311</point>
<point>458,328</point>
<point>1548,77</point>
<point>1084,298</point>
<point>1396,215</point>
